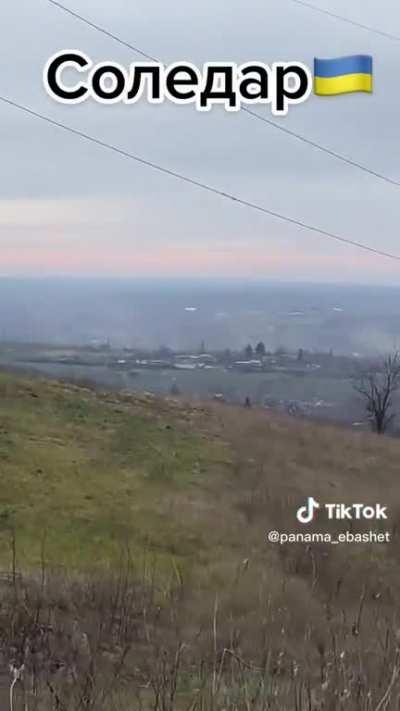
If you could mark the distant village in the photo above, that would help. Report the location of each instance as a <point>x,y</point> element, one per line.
<point>226,375</point>
<point>251,359</point>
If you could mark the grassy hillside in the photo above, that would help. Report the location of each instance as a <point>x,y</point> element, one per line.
<point>154,513</point>
<point>83,475</point>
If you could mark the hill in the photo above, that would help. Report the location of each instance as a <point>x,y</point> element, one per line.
<point>140,524</point>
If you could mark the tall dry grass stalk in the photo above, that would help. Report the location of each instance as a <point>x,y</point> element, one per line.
<point>119,643</point>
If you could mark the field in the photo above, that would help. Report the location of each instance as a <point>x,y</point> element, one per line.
<point>136,573</point>
<point>340,403</point>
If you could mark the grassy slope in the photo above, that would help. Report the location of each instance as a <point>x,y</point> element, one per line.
<point>194,490</point>
<point>84,475</point>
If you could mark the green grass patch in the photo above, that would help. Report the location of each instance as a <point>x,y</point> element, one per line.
<point>82,477</point>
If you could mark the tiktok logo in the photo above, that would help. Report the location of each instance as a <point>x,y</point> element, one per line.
<point>305,514</point>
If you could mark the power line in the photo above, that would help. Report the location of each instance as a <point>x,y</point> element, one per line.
<point>194,182</point>
<point>102,30</point>
<point>321,10</point>
<point>330,152</point>
<point>278,127</point>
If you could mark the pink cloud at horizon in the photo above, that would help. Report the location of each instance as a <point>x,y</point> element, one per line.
<point>120,237</point>
<point>180,261</point>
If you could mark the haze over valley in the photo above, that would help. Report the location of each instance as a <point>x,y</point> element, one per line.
<point>184,314</point>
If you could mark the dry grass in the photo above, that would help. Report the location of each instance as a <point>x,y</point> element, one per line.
<point>119,643</point>
<point>200,613</point>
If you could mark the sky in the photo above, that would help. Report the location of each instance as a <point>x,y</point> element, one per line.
<point>71,208</point>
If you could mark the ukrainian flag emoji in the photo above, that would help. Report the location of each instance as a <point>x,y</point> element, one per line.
<point>343,75</point>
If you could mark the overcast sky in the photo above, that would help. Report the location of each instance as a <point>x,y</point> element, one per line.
<point>67,207</point>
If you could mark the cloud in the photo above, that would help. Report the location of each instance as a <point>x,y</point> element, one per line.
<point>59,194</point>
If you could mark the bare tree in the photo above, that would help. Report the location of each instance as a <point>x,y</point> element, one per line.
<point>377,386</point>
